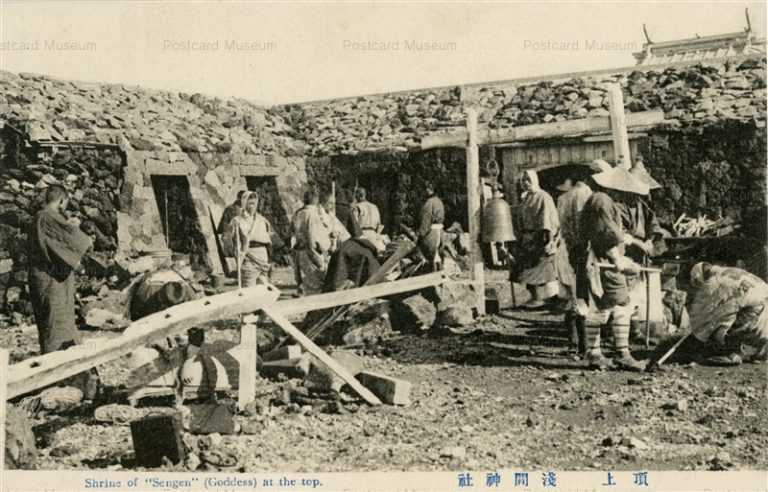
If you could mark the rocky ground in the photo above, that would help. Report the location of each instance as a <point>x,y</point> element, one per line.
<point>505,393</point>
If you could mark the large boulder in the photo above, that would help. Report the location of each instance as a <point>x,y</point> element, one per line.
<point>456,302</point>
<point>413,314</point>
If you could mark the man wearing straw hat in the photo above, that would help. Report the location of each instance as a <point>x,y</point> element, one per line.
<point>639,219</point>
<point>569,206</point>
<point>603,294</point>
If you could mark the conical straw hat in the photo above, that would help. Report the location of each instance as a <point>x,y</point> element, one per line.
<point>620,179</point>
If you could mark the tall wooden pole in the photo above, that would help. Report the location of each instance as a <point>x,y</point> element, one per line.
<point>473,204</point>
<point>619,126</point>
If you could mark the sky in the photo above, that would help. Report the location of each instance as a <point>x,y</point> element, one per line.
<point>283,52</point>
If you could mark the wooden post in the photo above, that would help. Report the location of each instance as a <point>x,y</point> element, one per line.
<point>473,204</point>
<point>619,127</point>
<point>3,407</point>
<point>246,390</point>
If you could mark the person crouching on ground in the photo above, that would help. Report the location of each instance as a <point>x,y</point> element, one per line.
<point>728,318</point>
<point>255,239</point>
<point>542,260</point>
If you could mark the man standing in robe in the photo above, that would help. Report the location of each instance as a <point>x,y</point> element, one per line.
<point>430,231</point>
<point>56,248</point>
<point>365,220</point>
<point>312,242</point>
<point>57,245</point>
<point>569,206</point>
<point>337,231</point>
<point>602,289</point>
<point>542,260</point>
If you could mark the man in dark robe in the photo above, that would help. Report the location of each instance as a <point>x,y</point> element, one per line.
<point>56,248</point>
<point>430,231</point>
<point>57,245</point>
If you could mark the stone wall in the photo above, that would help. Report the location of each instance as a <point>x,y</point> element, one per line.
<point>714,169</point>
<point>92,175</point>
<point>104,142</point>
<point>692,94</point>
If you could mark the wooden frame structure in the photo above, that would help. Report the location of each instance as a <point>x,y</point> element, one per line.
<point>38,372</point>
<point>473,136</point>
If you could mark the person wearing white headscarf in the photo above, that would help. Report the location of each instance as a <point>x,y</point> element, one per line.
<point>542,260</point>
<point>255,239</point>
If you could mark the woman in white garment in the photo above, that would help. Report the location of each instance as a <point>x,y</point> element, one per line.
<point>255,239</point>
<point>542,260</point>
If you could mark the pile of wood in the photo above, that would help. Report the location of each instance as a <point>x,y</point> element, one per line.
<point>703,226</point>
<point>702,92</point>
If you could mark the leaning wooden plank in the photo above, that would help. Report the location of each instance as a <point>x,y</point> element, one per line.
<point>47,369</point>
<point>404,248</point>
<point>391,391</point>
<point>583,126</point>
<point>334,299</point>
<point>326,359</point>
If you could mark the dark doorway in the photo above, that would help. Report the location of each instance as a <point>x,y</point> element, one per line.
<point>178,216</point>
<point>381,190</point>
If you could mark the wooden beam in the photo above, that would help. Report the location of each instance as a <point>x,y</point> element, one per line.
<point>559,129</point>
<point>391,391</point>
<point>609,137</point>
<point>41,371</point>
<point>257,170</point>
<point>333,299</point>
<point>619,126</point>
<point>474,192</point>
<point>326,359</point>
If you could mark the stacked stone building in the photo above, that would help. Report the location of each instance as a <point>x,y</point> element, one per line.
<point>151,171</point>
